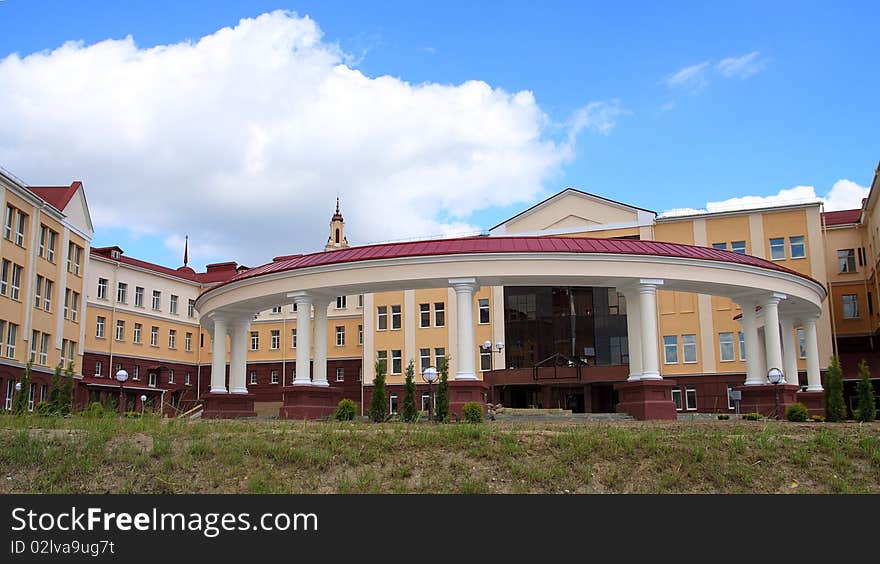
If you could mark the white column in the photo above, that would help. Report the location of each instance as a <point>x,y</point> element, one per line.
<point>320,378</point>
<point>467,347</point>
<point>770,308</point>
<point>303,338</point>
<point>633,335</point>
<point>754,374</point>
<point>218,357</point>
<point>238,356</point>
<point>648,326</point>
<point>789,352</point>
<point>814,377</point>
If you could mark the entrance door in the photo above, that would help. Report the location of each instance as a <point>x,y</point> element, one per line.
<point>575,401</point>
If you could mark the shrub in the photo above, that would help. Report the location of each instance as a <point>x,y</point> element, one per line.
<point>410,411</point>
<point>797,412</point>
<point>472,412</point>
<point>441,412</point>
<point>723,416</point>
<point>818,418</point>
<point>96,410</point>
<point>345,410</point>
<point>866,408</point>
<point>835,408</point>
<point>379,401</point>
<point>752,416</point>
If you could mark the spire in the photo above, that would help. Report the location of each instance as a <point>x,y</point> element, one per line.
<point>337,238</point>
<point>337,216</point>
<point>186,250</point>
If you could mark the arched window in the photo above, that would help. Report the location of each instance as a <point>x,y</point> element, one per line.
<point>337,235</point>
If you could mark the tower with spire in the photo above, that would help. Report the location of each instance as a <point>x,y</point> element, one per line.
<point>337,238</point>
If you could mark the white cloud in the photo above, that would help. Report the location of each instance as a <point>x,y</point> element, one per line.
<point>741,67</point>
<point>692,78</point>
<point>244,137</point>
<point>844,195</point>
<point>696,78</point>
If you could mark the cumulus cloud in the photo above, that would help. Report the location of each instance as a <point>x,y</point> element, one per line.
<point>695,78</point>
<point>243,139</point>
<point>844,195</point>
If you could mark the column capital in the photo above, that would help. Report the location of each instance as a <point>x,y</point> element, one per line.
<point>302,297</point>
<point>463,284</point>
<point>648,285</point>
<point>773,299</point>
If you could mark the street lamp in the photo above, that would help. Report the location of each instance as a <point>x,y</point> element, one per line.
<point>143,401</point>
<point>17,391</point>
<point>121,377</point>
<point>429,375</point>
<point>487,346</point>
<point>775,376</point>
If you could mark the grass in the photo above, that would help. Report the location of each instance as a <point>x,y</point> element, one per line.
<point>150,455</point>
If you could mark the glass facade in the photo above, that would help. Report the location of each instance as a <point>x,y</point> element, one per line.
<point>578,322</point>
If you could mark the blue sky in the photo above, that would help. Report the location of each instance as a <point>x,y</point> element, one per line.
<point>801,111</point>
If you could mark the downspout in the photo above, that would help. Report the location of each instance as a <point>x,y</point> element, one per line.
<point>830,296</point>
<point>112,327</point>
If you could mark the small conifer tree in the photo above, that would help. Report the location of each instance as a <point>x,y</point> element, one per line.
<point>867,408</point>
<point>441,413</point>
<point>410,412</point>
<point>835,408</point>
<point>379,401</point>
<point>20,405</point>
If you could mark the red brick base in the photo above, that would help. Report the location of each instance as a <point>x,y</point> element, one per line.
<point>767,399</point>
<point>646,399</point>
<point>815,402</point>
<point>309,402</point>
<point>464,391</point>
<point>228,406</point>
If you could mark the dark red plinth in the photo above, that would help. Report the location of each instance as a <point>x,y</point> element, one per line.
<point>464,391</point>
<point>767,399</point>
<point>228,406</point>
<point>815,402</point>
<point>309,402</point>
<point>646,399</point>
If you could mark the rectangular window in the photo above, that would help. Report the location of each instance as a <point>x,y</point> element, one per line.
<point>396,316</point>
<point>11,337</point>
<point>275,339</point>
<point>721,246</point>
<point>15,292</point>
<point>485,360</point>
<point>41,248</point>
<point>293,338</point>
<point>253,377</point>
<point>63,347</point>
<point>426,399</point>
<point>8,224</point>
<point>676,398</point>
<point>67,303</point>
<point>74,305</point>
<point>340,302</point>
<point>35,336</point>
<point>120,329</point>
<point>74,257</point>
<point>170,376</point>
<point>173,308</point>
<point>47,295</point>
<point>797,247</point>
<point>360,334</point>
<point>360,300</point>
<point>392,404</point>
<point>340,374</point>
<point>188,339</point>
<point>20,228</point>
<point>137,332</point>
<point>139,296</point>
<point>4,277</point>
<point>382,359</point>
<point>382,318</point>
<point>670,349</point>
<point>846,260</point>
<point>186,379</point>
<point>777,248</point>
<point>191,308</point>
<point>689,348</point>
<point>396,361</point>
<point>44,349</point>
<point>424,359</point>
<point>102,288</point>
<point>276,309</point>
<point>424,315</point>
<point>99,327</point>
<point>255,340</point>
<point>690,398</point>
<point>99,367</point>
<point>483,307</point>
<point>121,292</point>
<point>10,389</point>
<point>135,372</point>
<point>273,376</point>
<point>850,306</point>
<point>802,343</point>
<point>38,290</point>
<point>738,247</point>
<point>151,379</point>
<point>157,300</point>
<point>154,336</point>
<point>340,336</point>
<point>742,346</point>
<point>31,393</point>
<point>439,357</point>
<point>439,314</point>
<point>725,342</point>
<point>172,337</point>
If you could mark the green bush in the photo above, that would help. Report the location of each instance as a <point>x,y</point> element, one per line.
<point>723,416</point>
<point>410,411</point>
<point>96,410</point>
<point>472,412</point>
<point>752,416</point>
<point>379,400</point>
<point>835,408</point>
<point>797,412</point>
<point>817,418</point>
<point>866,409</point>
<point>345,411</point>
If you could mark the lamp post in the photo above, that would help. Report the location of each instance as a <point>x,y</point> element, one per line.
<point>429,375</point>
<point>487,346</point>
<point>17,391</point>
<point>143,401</point>
<point>121,377</point>
<point>775,376</point>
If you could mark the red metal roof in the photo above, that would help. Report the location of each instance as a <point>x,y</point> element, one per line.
<point>58,196</point>
<point>211,276</point>
<point>482,244</point>
<point>842,217</point>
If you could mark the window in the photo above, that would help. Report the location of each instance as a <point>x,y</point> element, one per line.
<point>172,336</point>
<point>170,376</point>
<point>340,336</point>
<point>255,340</point>
<point>424,315</point>
<point>439,314</point>
<point>382,359</point>
<point>157,300</point>
<point>138,296</point>
<point>99,327</point>
<point>670,349</point>
<point>191,308</point>
<point>154,336</point>
<point>395,317</point>
<point>38,298</point>
<point>360,300</point>
<point>850,306</point>
<point>396,362</point>
<point>483,309</point>
<point>44,349</point>
<point>738,247</point>
<point>690,398</point>
<point>253,377</point>
<point>11,337</point>
<point>187,342</point>
<point>846,260</point>
<point>273,376</point>
<point>20,227</point>
<point>137,333</point>
<point>485,360</point>
<point>4,277</point>
<point>742,346</point>
<point>102,288</point>
<point>63,347</point>
<point>31,392</point>
<point>121,292</point>
<point>74,258</point>
<point>616,302</point>
<point>275,339</point>
<point>725,342</point>
<point>173,307</point>
<point>777,248</point>
<point>120,329</point>
<point>382,318</point>
<point>293,338</point>
<point>802,343</point>
<point>340,374</point>
<point>721,246</point>
<point>340,302</point>
<point>676,398</point>
<point>186,379</point>
<point>797,247</point>
<point>689,348</point>
<point>439,357</point>
<point>35,336</point>
<point>10,387</point>
<point>136,372</point>
<point>99,367</point>
<point>392,404</point>
<point>424,359</point>
<point>47,243</point>
<point>360,334</point>
<point>74,305</point>
<point>47,295</point>
<point>426,398</point>
<point>10,220</point>
<point>276,309</point>
<point>15,293</point>
<point>151,379</point>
